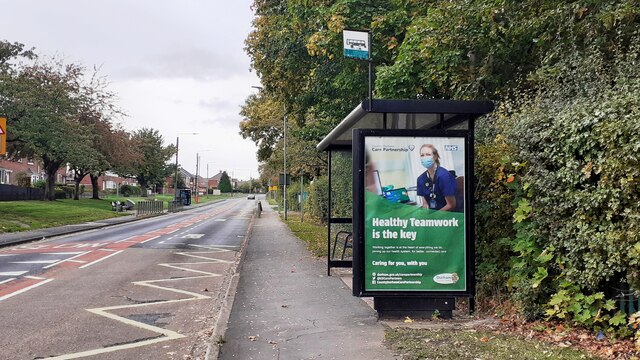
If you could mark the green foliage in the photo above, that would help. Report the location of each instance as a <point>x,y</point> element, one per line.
<point>341,185</point>
<point>23,179</point>
<point>225,183</point>
<point>557,191</point>
<point>592,311</point>
<point>62,193</point>
<point>152,167</point>
<point>40,184</point>
<point>318,199</point>
<point>580,136</point>
<point>130,190</point>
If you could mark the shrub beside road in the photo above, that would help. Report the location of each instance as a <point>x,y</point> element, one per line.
<point>436,339</point>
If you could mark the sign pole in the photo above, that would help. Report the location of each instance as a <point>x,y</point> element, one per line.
<point>370,76</point>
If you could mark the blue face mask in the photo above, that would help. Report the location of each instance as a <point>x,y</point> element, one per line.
<point>427,161</point>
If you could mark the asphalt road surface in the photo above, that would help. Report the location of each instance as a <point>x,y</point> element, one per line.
<point>150,289</point>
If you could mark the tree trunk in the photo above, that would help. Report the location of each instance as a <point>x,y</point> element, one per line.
<point>94,186</point>
<point>77,178</point>
<point>50,168</point>
<point>143,188</point>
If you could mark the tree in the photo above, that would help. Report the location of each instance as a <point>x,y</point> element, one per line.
<point>152,167</point>
<point>225,183</point>
<point>42,103</point>
<point>121,151</point>
<point>110,146</point>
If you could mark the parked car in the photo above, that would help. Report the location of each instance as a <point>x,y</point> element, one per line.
<point>251,196</point>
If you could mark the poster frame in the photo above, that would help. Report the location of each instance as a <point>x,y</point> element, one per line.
<point>358,148</point>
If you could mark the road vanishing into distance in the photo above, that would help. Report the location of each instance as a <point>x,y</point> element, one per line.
<point>148,289</point>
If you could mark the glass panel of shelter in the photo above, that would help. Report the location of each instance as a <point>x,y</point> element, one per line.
<point>341,208</point>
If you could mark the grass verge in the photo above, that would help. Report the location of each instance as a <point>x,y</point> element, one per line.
<point>32,215</point>
<point>445,344</point>
<point>442,344</point>
<point>313,234</point>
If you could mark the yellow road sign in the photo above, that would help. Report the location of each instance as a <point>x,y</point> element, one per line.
<point>3,136</point>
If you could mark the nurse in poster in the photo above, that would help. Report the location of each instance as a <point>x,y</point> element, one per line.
<point>414,231</point>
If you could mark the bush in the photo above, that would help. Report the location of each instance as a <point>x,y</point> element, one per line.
<point>575,189</point>
<point>40,184</point>
<point>23,180</point>
<point>130,190</point>
<point>61,193</point>
<point>318,199</point>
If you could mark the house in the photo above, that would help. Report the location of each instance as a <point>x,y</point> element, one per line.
<point>187,177</point>
<point>12,170</point>
<point>107,181</point>
<point>214,181</point>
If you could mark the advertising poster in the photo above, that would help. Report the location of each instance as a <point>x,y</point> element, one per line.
<point>414,213</point>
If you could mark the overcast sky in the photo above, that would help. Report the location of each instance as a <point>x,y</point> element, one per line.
<point>177,66</point>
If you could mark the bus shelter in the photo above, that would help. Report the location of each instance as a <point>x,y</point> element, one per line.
<point>394,230</point>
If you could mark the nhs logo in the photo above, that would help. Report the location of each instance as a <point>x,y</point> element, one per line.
<point>451,148</point>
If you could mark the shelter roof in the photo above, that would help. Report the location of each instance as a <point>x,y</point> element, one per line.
<point>404,114</point>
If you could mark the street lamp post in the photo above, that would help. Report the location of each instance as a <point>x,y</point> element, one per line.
<point>175,179</point>
<point>284,134</point>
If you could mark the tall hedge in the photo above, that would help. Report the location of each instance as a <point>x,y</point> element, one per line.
<point>577,212</point>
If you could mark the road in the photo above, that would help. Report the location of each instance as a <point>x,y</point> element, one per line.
<point>150,289</point>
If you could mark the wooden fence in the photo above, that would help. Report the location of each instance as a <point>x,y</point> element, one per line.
<point>13,193</point>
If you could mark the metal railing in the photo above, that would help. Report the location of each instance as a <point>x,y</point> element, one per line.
<point>175,206</point>
<point>144,208</point>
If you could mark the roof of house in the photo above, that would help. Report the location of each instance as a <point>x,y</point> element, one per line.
<point>185,173</point>
<point>217,176</point>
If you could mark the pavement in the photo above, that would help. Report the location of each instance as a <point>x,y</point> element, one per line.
<point>286,307</point>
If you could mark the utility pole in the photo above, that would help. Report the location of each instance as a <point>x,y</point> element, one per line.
<point>284,187</point>
<point>197,185</point>
<point>175,178</point>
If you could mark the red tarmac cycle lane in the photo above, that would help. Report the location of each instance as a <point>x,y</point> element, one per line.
<point>92,253</point>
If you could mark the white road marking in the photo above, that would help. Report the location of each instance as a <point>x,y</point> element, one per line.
<point>63,253</point>
<point>36,262</point>
<point>220,220</point>
<point>193,236</point>
<point>167,334</point>
<point>126,239</point>
<point>34,277</point>
<point>6,281</point>
<point>25,289</point>
<point>63,260</point>
<point>153,238</point>
<point>13,273</point>
<point>97,261</point>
